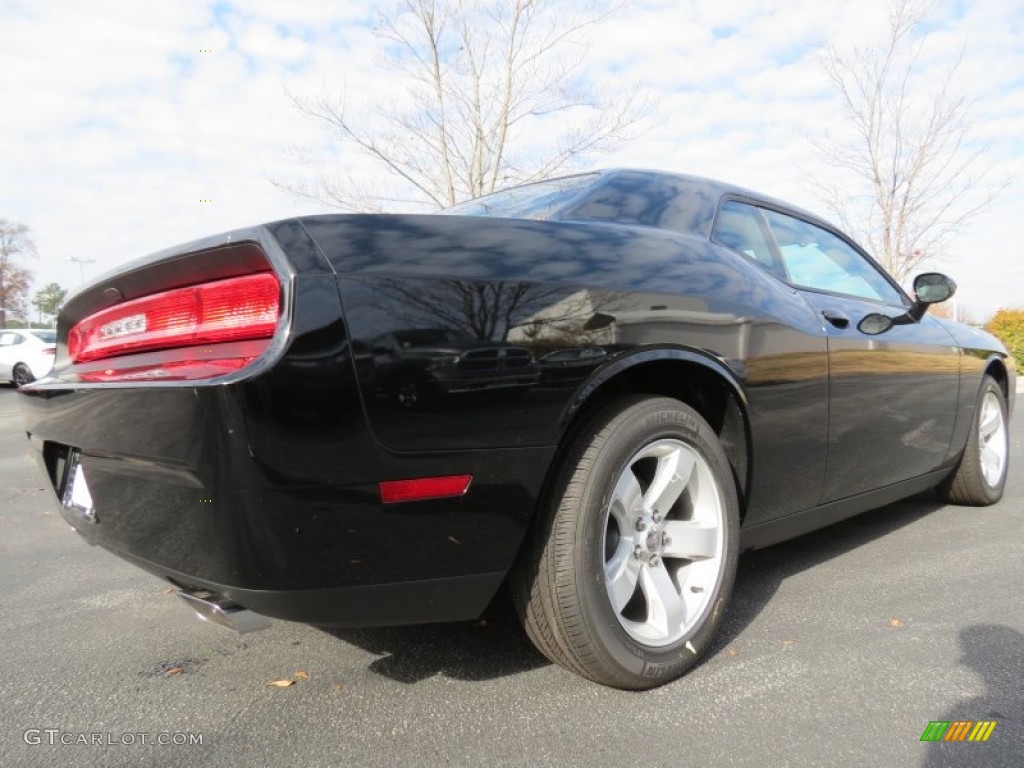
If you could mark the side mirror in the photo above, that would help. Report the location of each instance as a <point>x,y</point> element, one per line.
<point>874,324</point>
<point>933,288</point>
<point>930,288</point>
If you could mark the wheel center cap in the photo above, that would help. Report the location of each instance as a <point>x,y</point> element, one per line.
<point>652,541</point>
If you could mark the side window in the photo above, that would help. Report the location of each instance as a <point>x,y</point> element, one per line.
<point>817,259</point>
<point>738,227</point>
<point>10,339</point>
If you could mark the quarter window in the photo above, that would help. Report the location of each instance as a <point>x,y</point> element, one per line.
<point>740,228</point>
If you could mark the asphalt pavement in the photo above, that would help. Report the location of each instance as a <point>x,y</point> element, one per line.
<point>839,648</point>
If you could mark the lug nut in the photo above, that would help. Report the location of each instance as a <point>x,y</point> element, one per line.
<point>640,524</point>
<point>665,539</point>
<point>654,560</point>
<point>656,516</point>
<point>638,551</point>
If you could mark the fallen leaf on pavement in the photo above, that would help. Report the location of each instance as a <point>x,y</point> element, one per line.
<point>174,671</point>
<point>282,683</point>
<point>302,675</point>
<point>733,652</point>
<point>895,622</point>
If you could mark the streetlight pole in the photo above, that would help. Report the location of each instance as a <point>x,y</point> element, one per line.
<point>81,267</point>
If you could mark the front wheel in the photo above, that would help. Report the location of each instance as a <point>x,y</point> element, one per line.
<point>626,578</point>
<point>980,477</point>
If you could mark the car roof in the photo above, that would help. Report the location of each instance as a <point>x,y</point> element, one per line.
<point>715,188</point>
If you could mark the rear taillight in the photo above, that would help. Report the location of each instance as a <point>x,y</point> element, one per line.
<point>235,309</point>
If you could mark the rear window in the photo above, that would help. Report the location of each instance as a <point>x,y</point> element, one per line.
<point>50,337</point>
<point>533,201</point>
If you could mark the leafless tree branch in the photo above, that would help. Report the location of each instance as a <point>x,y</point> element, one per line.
<point>918,176</point>
<point>484,78</point>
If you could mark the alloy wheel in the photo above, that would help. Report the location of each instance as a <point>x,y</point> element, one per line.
<point>663,542</point>
<point>992,439</point>
<point>22,375</point>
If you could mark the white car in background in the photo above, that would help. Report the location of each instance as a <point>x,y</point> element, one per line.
<point>26,354</point>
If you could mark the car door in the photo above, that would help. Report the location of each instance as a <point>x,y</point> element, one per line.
<point>9,341</point>
<point>892,396</point>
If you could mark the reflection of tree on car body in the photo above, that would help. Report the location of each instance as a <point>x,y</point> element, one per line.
<point>414,365</point>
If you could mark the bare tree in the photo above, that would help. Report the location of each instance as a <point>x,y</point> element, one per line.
<point>15,243</point>
<point>493,98</point>
<point>916,175</point>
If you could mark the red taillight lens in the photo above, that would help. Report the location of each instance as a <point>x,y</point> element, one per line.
<point>224,310</point>
<point>393,491</point>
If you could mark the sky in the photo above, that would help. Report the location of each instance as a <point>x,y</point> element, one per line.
<point>129,127</point>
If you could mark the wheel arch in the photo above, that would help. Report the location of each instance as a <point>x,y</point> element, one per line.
<point>692,376</point>
<point>1005,373</point>
<point>995,367</point>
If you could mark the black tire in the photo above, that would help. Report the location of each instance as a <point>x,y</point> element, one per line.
<point>559,584</point>
<point>970,484</point>
<point>21,375</point>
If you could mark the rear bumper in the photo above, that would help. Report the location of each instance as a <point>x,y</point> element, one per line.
<point>265,490</point>
<point>453,598</point>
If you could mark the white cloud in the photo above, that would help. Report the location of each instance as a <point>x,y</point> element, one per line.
<point>116,122</point>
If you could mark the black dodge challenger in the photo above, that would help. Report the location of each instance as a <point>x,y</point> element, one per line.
<point>345,419</point>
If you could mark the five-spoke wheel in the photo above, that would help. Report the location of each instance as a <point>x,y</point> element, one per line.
<point>980,477</point>
<point>663,541</point>
<point>627,575</point>
<point>992,438</point>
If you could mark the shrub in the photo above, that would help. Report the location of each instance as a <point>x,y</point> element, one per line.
<point>1008,326</point>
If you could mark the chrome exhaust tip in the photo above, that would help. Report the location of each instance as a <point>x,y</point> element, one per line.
<point>218,609</point>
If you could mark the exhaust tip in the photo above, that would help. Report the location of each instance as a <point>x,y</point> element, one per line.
<point>219,610</point>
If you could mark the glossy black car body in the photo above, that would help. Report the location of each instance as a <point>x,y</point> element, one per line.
<point>263,484</point>
<point>417,365</point>
<point>564,367</point>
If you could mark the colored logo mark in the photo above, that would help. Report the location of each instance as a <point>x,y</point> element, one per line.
<point>958,730</point>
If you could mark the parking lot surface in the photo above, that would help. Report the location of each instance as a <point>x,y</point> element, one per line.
<point>840,647</point>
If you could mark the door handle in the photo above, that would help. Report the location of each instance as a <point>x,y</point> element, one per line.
<point>838,319</point>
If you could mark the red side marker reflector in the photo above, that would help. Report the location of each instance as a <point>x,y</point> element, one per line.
<point>392,491</point>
